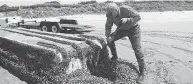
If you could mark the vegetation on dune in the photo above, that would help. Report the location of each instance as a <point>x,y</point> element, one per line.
<point>5,8</point>
<point>50,9</point>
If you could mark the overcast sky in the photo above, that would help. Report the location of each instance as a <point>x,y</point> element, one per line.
<point>30,2</point>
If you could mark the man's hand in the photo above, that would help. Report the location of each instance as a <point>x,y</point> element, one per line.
<point>125,20</point>
<point>109,39</point>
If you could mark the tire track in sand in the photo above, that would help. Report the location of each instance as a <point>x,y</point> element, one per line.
<point>168,62</point>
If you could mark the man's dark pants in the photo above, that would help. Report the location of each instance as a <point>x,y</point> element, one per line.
<point>134,35</point>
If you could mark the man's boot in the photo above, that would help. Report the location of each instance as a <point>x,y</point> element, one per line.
<point>113,51</point>
<point>141,72</point>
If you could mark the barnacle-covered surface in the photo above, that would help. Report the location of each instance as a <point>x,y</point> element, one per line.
<point>53,58</point>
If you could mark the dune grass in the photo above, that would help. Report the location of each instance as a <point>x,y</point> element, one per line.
<point>37,11</point>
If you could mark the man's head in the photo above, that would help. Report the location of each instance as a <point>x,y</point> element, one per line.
<point>112,9</point>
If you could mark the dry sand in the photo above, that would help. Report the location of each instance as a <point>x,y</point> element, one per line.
<point>166,41</point>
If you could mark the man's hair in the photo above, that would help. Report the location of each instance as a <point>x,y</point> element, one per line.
<point>112,5</point>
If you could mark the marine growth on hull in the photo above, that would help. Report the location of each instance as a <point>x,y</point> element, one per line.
<point>54,58</point>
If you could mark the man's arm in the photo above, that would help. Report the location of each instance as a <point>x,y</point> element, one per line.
<point>135,17</point>
<point>108,26</point>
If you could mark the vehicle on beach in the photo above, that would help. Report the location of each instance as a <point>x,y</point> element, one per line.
<point>55,26</point>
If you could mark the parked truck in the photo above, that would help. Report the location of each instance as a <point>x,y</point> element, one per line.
<point>9,21</point>
<point>3,22</point>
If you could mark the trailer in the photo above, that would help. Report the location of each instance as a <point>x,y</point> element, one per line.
<point>54,26</point>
